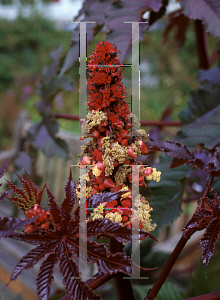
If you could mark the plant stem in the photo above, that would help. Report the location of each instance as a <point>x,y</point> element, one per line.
<point>202,45</point>
<point>176,252</point>
<point>143,123</point>
<point>122,287</point>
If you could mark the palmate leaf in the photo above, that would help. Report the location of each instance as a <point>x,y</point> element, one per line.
<point>62,243</point>
<point>29,196</point>
<point>113,16</point>
<point>209,240</point>
<point>181,23</point>
<point>45,276</point>
<point>209,215</point>
<point>206,160</point>
<point>9,225</point>
<point>206,10</point>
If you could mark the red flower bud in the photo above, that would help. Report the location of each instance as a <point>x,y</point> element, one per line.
<point>124,219</point>
<point>85,161</point>
<point>108,183</point>
<point>100,166</point>
<point>115,163</point>
<point>142,147</point>
<point>102,187</point>
<point>124,142</point>
<point>131,152</point>
<point>128,126</point>
<point>116,189</point>
<point>147,171</point>
<point>126,203</point>
<point>126,161</point>
<point>119,139</point>
<point>124,134</point>
<point>96,134</point>
<point>112,203</point>
<point>99,179</point>
<point>98,155</point>
<point>29,228</point>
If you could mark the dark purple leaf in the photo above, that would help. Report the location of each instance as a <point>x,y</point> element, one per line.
<point>115,13</point>
<point>180,23</point>
<point>8,225</point>
<point>206,10</point>
<point>204,99</point>
<point>54,208</point>
<point>3,168</point>
<point>45,140</point>
<point>157,14</point>
<point>197,218</point>
<point>69,270</point>
<point>31,258</point>
<point>212,75</point>
<point>70,198</point>
<point>45,277</point>
<point>115,263</point>
<point>172,149</point>
<point>4,194</point>
<point>209,240</point>
<point>108,228</point>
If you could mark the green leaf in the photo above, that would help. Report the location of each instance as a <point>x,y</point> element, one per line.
<point>167,194</point>
<point>169,291</point>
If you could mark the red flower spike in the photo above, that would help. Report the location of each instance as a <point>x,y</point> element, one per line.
<point>119,139</point>
<point>131,152</point>
<point>108,183</point>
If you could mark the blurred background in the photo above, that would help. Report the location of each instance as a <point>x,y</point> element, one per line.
<point>29,31</point>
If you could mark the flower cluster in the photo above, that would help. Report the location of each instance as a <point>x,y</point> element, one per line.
<point>112,150</point>
<point>44,221</point>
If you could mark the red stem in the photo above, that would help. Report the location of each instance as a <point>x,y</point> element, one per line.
<point>143,123</point>
<point>210,296</point>
<point>202,44</point>
<point>176,252</point>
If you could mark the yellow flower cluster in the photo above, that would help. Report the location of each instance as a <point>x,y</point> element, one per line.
<point>155,175</point>
<point>142,213</point>
<point>96,171</point>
